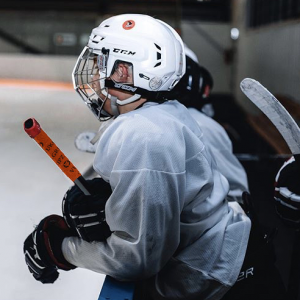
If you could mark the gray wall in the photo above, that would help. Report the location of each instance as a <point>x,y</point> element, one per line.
<point>49,32</point>
<point>209,41</point>
<point>37,67</point>
<point>269,54</point>
<point>43,31</point>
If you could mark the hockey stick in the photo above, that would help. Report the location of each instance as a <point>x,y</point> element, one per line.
<point>275,111</point>
<point>112,288</point>
<point>34,130</point>
<point>290,132</point>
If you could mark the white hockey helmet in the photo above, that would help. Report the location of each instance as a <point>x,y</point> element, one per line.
<point>152,50</point>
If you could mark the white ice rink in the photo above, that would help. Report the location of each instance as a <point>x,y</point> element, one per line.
<point>32,186</point>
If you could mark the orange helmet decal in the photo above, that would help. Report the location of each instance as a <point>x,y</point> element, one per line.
<point>129,24</point>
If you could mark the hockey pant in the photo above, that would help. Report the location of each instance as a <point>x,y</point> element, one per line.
<point>259,277</point>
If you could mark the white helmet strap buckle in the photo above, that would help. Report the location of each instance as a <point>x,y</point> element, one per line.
<point>115,102</point>
<point>114,106</point>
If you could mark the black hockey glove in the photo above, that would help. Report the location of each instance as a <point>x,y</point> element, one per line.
<point>42,249</point>
<point>287,192</point>
<point>86,214</point>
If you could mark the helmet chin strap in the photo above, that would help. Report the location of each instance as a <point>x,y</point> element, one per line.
<point>133,98</point>
<point>114,105</point>
<point>115,102</point>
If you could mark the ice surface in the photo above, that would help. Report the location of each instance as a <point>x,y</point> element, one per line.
<point>32,186</point>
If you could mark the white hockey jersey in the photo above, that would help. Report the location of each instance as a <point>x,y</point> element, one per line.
<point>217,140</point>
<point>168,210</point>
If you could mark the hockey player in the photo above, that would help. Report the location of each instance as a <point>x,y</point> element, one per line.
<point>193,91</point>
<point>168,224</point>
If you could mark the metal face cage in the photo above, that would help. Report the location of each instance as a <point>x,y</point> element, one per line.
<point>88,77</point>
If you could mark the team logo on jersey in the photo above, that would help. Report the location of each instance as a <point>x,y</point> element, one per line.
<point>129,24</point>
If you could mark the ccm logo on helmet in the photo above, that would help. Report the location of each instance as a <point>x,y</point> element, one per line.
<point>125,87</point>
<point>127,52</point>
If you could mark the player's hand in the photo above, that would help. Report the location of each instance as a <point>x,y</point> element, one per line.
<point>42,249</point>
<point>86,214</point>
<point>287,192</point>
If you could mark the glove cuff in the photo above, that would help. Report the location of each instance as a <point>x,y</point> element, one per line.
<point>51,232</point>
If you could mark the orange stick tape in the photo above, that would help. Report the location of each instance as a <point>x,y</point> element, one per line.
<point>34,130</point>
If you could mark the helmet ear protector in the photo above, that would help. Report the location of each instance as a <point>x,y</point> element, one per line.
<point>133,53</point>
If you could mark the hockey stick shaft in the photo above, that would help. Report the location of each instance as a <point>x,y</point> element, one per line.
<point>34,130</point>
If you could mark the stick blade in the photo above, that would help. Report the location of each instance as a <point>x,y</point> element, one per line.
<point>275,111</point>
